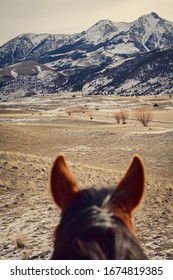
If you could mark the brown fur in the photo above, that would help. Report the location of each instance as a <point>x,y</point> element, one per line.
<point>107,231</point>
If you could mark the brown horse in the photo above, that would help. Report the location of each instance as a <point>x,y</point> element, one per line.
<point>97,223</point>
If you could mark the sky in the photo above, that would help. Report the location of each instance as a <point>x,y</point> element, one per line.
<point>71,16</point>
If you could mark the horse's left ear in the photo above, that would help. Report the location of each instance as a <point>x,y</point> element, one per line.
<point>63,185</point>
<point>130,190</point>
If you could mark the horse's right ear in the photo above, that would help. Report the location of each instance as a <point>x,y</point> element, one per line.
<point>130,190</point>
<point>62,183</point>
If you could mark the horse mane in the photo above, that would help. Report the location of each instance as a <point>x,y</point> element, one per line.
<point>89,229</point>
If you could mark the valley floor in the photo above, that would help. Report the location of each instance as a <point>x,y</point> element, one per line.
<point>33,131</point>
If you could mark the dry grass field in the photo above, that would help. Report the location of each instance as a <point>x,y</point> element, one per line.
<point>33,131</point>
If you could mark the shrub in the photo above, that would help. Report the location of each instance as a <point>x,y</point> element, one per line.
<point>124,115</point>
<point>21,241</point>
<point>121,115</point>
<point>69,111</point>
<point>144,115</point>
<point>117,116</point>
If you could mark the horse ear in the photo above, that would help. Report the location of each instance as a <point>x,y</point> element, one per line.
<point>63,185</point>
<point>130,190</point>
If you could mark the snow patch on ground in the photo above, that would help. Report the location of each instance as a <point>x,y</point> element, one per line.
<point>14,74</point>
<point>95,83</point>
<point>128,84</point>
<point>39,68</point>
<point>122,48</point>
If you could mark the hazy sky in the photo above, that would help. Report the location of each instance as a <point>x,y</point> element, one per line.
<point>71,16</point>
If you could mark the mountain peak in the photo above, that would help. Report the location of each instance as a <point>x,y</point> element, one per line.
<point>148,17</point>
<point>98,59</point>
<point>103,25</point>
<point>153,14</point>
<point>102,29</point>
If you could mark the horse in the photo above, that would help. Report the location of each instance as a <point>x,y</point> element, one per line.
<point>97,223</point>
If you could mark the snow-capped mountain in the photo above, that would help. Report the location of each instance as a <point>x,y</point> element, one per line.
<point>144,74</point>
<point>89,58</point>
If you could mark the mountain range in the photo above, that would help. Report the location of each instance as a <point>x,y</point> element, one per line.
<point>109,58</point>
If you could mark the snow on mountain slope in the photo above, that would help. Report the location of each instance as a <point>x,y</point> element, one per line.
<point>152,32</point>
<point>107,42</point>
<point>104,30</point>
<point>30,46</point>
<point>147,73</point>
<point>88,59</point>
<point>35,38</point>
<point>146,33</point>
<point>29,75</point>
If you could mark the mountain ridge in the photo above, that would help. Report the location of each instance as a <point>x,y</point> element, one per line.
<point>105,47</point>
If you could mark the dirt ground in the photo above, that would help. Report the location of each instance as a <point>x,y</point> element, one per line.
<point>33,131</point>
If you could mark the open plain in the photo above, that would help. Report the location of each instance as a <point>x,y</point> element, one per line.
<point>34,130</point>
